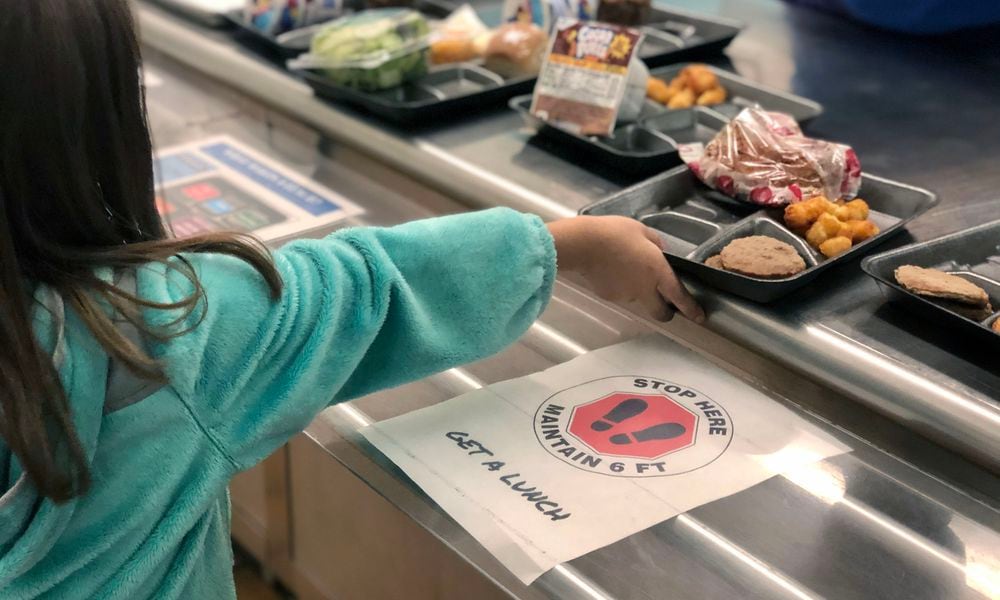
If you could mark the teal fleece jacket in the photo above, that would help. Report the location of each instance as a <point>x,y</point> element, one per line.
<point>361,310</point>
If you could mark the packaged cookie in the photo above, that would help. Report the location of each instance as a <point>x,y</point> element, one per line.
<point>763,158</point>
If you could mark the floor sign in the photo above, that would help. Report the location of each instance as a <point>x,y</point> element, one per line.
<point>219,184</point>
<point>548,467</point>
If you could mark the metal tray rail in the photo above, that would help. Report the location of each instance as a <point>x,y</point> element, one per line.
<point>697,222</point>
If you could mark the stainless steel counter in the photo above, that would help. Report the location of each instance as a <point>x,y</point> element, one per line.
<point>861,525</point>
<point>916,114</point>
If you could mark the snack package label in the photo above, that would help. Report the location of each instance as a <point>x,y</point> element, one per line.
<point>546,13</point>
<point>583,79</point>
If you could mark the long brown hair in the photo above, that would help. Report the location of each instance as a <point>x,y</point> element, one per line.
<point>76,193</point>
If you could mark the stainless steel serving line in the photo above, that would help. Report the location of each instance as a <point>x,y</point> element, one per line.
<point>904,121</point>
<point>861,525</point>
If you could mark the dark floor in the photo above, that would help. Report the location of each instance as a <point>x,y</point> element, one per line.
<point>250,583</point>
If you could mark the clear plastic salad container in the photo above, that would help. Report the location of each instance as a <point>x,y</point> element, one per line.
<point>372,50</point>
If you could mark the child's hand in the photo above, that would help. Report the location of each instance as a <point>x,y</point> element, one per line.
<point>623,261</point>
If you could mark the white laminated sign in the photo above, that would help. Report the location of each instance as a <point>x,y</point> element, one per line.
<point>545,468</point>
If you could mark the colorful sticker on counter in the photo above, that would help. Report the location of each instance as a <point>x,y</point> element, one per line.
<point>583,79</point>
<point>629,426</point>
<point>220,184</point>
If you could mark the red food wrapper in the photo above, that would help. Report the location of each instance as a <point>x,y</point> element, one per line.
<point>763,158</point>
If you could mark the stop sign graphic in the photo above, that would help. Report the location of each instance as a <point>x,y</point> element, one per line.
<point>633,425</point>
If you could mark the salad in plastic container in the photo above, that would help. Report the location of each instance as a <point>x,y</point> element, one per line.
<point>372,50</point>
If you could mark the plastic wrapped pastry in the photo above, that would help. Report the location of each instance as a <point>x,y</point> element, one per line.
<point>763,158</point>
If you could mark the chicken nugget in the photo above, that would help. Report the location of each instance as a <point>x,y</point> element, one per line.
<point>683,99</point>
<point>711,97</point>
<point>855,210</point>
<point>700,78</point>
<point>835,245</point>
<point>859,231</point>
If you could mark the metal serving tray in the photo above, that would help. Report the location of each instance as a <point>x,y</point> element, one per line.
<point>973,254</point>
<point>296,42</point>
<point>697,222</point>
<point>659,129</point>
<point>671,35</point>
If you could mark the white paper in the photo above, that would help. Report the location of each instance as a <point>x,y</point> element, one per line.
<point>533,507</point>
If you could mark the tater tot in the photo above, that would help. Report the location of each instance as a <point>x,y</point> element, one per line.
<point>861,230</point>
<point>855,210</point>
<point>834,246</point>
<point>658,90</point>
<point>801,215</point>
<point>700,79</point>
<point>825,227</point>
<point>683,99</point>
<point>716,95</point>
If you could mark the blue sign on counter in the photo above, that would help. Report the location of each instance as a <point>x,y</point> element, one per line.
<point>265,176</point>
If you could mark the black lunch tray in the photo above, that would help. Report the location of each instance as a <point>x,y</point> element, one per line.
<point>293,43</point>
<point>671,35</point>
<point>973,254</point>
<point>649,145</point>
<point>697,222</point>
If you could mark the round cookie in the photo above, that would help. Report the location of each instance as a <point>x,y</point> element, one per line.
<point>938,284</point>
<point>763,257</point>
<point>715,261</point>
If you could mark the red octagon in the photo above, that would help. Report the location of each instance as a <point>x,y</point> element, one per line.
<point>633,425</point>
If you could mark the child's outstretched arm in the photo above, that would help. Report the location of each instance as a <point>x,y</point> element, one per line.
<point>366,309</point>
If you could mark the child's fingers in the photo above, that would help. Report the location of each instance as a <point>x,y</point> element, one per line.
<point>653,236</point>
<point>674,292</point>
<point>656,307</point>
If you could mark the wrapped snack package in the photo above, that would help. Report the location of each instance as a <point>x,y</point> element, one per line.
<point>763,158</point>
<point>453,39</point>
<point>372,50</point>
<point>635,91</point>
<point>275,17</point>
<point>516,50</point>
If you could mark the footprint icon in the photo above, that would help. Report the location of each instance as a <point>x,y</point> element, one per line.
<point>626,409</point>
<point>663,431</point>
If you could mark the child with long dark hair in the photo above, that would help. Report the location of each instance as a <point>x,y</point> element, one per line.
<point>139,373</point>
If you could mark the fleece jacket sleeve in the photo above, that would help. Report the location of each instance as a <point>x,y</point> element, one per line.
<point>361,310</point>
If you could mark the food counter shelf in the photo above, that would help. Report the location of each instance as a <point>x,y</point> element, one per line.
<point>863,524</point>
<point>898,112</point>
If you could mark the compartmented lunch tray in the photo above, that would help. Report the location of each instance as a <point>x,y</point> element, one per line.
<point>697,222</point>
<point>973,254</point>
<point>649,145</point>
<point>435,98</point>
<point>293,43</point>
<point>671,35</point>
